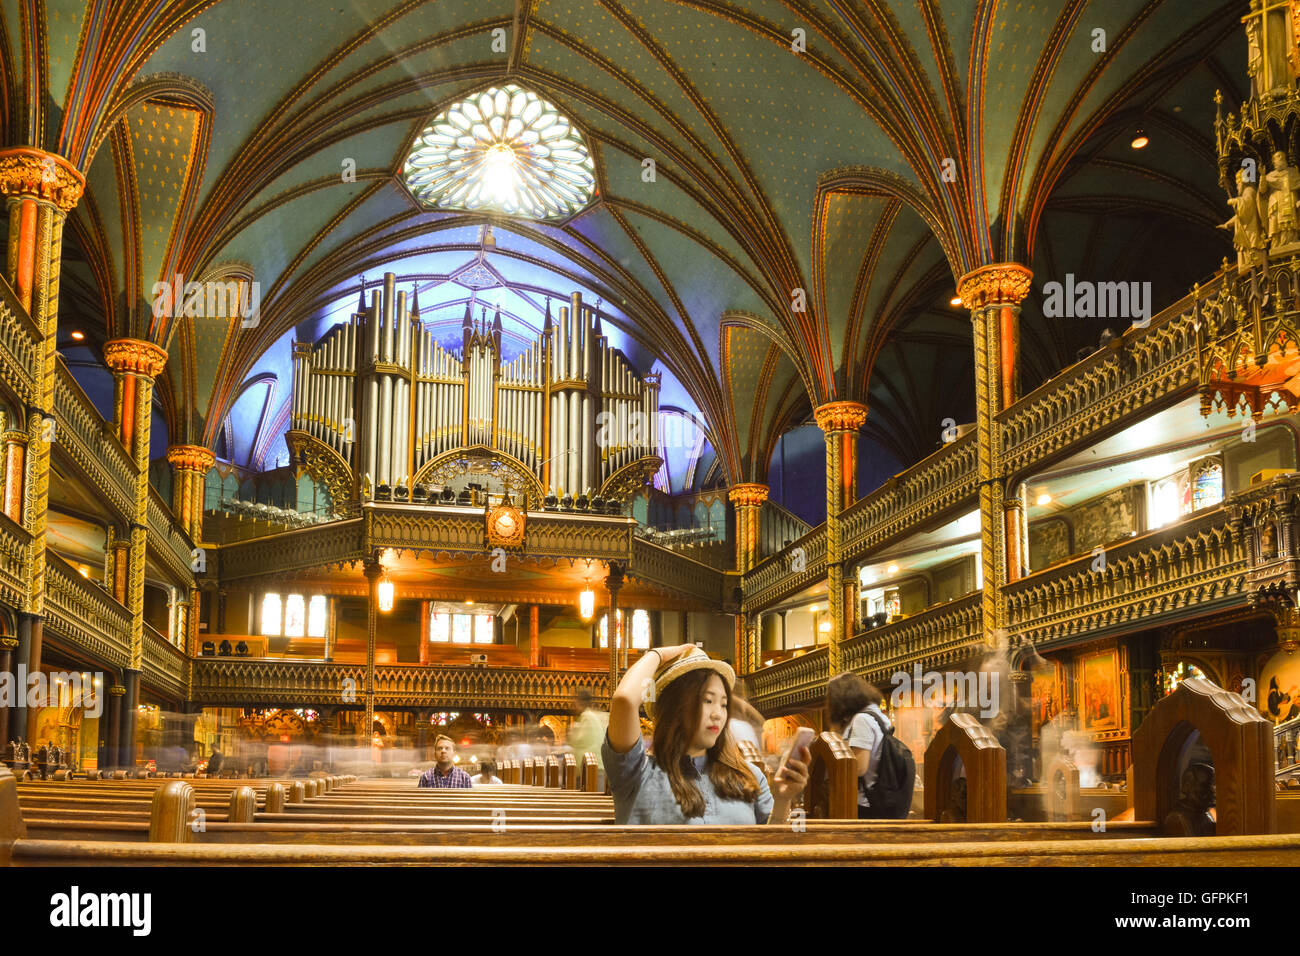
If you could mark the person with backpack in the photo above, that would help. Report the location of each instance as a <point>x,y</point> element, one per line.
<point>886,769</point>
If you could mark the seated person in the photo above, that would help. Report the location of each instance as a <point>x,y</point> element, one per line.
<point>445,773</point>
<point>1191,814</point>
<point>486,775</point>
<point>696,774</point>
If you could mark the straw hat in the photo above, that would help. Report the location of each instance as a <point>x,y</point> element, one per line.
<point>693,660</point>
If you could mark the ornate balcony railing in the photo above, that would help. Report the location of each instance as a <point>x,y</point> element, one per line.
<point>307,683</point>
<point>1190,568</point>
<point>315,547</point>
<point>929,489</point>
<point>677,573</point>
<point>170,543</point>
<point>165,664</point>
<point>1134,372</point>
<point>789,685</point>
<point>89,442</point>
<point>464,530</point>
<point>84,614</point>
<point>788,572</point>
<point>14,541</point>
<point>20,348</point>
<point>942,635</point>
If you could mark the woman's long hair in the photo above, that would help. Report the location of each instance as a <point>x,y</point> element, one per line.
<point>677,718</point>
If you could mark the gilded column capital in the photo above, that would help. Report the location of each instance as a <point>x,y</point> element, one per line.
<point>28,173</point>
<point>191,458</point>
<point>1001,283</point>
<point>14,437</point>
<point>748,493</point>
<point>136,356</point>
<point>117,690</point>
<point>8,643</point>
<point>841,416</point>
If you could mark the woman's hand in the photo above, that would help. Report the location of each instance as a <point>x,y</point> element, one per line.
<point>669,654</point>
<point>790,780</point>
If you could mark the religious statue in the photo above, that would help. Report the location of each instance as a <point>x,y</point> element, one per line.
<point>1247,223</point>
<point>1191,814</point>
<point>1280,185</point>
<point>1269,59</point>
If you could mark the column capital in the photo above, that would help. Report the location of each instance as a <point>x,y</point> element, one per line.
<point>191,458</point>
<point>8,643</point>
<point>372,569</point>
<point>841,416</point>
<point>1001,283</point>
<point>15,437</point>
<point>748,493</point>
<point>136,356</point>
<point>27,173</point>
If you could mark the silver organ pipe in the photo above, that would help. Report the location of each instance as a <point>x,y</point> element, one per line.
<point>568,405</point>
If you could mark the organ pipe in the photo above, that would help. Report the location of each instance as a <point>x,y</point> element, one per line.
<point>411,400</point>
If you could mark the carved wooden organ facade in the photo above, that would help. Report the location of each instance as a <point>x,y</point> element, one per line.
<point>377,402</point>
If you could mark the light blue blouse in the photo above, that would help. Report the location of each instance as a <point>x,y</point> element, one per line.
<point>642,793</point>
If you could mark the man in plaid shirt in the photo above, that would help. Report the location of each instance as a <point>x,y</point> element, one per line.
<point>445,773</point>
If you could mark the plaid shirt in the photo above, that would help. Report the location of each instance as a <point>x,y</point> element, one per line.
<point>457,778</point>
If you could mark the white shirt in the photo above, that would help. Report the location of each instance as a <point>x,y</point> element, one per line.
<point>744,730</point>
<point>478,781</point>
<point>865,734</point>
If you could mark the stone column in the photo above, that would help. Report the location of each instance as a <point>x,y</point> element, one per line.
<point>15,452</point>
<point>993,294</point>
<point>373,571</point>
<point>424,631</point>
<point>40,189</point>
<point>135,364</point>
<point>613,584</point>
<point>840,421</point>
<point>113,737</point>
<point>190,464</point>
<point>748,499</point>
<point>534,641</point>
<point>130,700</point>
<point>8,644</point>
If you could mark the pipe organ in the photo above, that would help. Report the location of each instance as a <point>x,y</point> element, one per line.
<point>568,415</point>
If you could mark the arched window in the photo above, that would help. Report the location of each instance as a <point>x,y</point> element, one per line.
<point>271,615</point>
<point>1207,485</point>
<point>640,628</point>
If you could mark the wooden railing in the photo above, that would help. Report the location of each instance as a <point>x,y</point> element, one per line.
<point>1191,568</point>
<point>165,665</point>
<point>83,613</point>
<point>171,544</point>
<point>787,572</point>
<point>14,541</point>
<point>20,349</point>
<point>677,572</point>
<point>941,635</point>
<point>89,441</point>
<point>282,683</point>
<point>796,683</point>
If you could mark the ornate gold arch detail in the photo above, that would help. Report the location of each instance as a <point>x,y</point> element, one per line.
<point>324,464</point>
<point>630,478</point>
<point>479,460</point>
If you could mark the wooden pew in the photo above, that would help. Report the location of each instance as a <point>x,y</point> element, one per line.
<point>963,741</point>
<point>589,778</point>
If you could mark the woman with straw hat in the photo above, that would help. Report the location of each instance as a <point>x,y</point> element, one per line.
<point>696,774</point>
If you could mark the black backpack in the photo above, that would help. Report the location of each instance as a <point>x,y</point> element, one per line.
<point>890,797</point>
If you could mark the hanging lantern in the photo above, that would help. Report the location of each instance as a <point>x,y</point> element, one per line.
<point>385,594</point>
<point>587,604</point>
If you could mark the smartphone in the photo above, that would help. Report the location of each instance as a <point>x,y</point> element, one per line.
<point>803,738</point>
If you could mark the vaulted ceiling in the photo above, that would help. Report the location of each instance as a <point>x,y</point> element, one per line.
<point>823,171</point>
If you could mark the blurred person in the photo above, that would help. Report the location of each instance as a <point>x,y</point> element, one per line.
<point>746,722</point>
<point>855,714</point>
<point>445,773</point>
<point>696,774</point>
<point>486,775</point>
<point>588,732</point>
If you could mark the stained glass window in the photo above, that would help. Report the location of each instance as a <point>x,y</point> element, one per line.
<point>640,629</point>
<point>483,629</point>
<point>1207,488</point>
<point>440,631</point>
<point>294,625</point>
<point>316,616</point>
<point>271,615</point>
<point>460,628</point>
<point>503,148</point>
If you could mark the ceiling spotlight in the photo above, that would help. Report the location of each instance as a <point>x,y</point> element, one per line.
<point>892,569</point>
<point>955,300</point>
<point>78,336</point>
<point>1043,499</point>
<point>469,603</point>
<point>1139,140</point>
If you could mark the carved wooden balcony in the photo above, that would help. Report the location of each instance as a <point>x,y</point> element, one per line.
<point>20,350</point>
<point>165,665</point>
<point>14,541</point>
<point>790,685</point>
<point>89,444</point>
<point>944,635</point>
<point>83,615</point>
<point>315,683</point>
<point>787,572</point>
<point>170,544</point>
